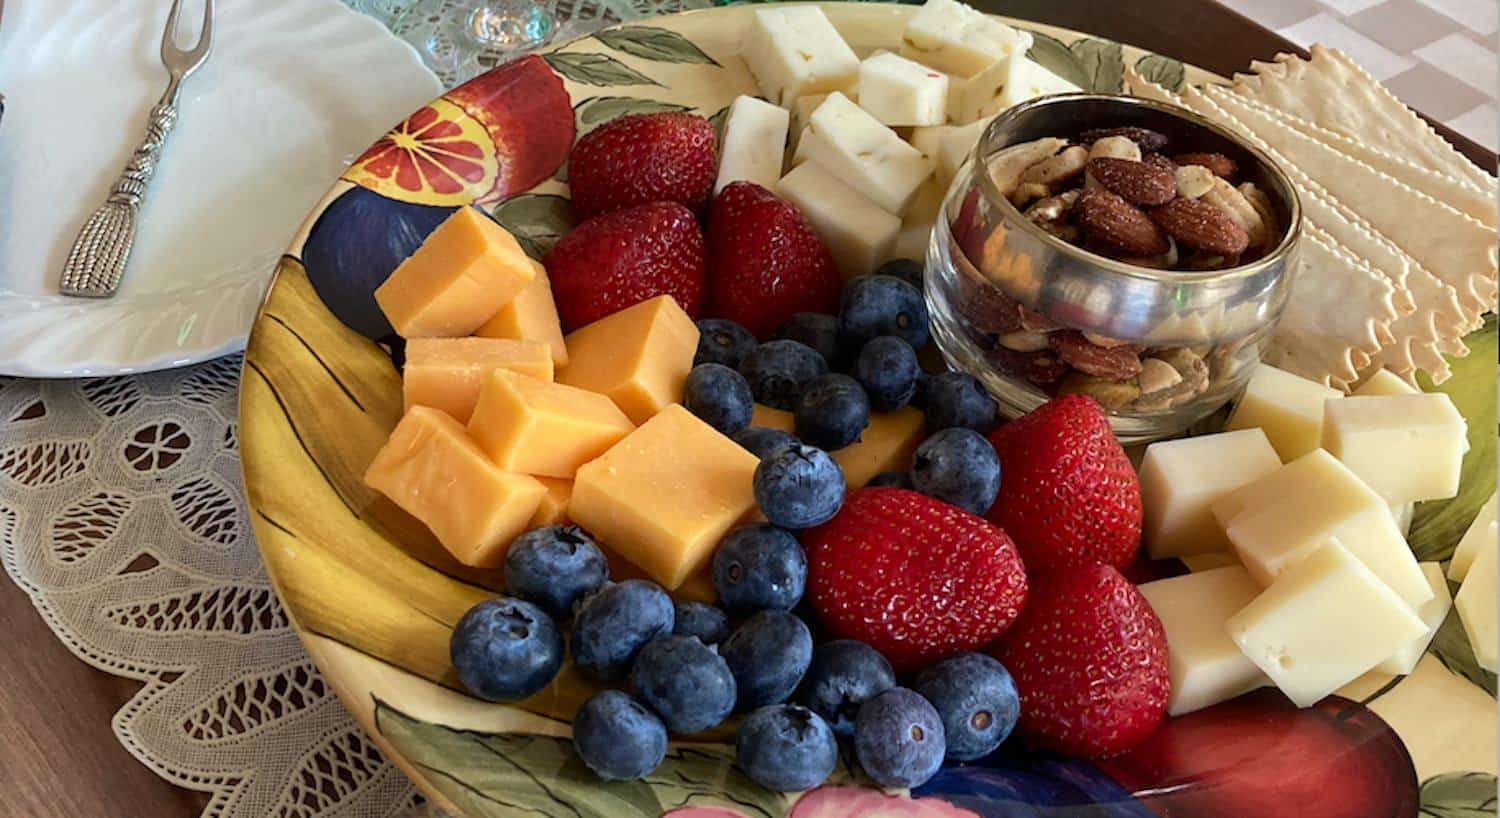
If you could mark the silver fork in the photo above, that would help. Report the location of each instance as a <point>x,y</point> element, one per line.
<point>97,261</point>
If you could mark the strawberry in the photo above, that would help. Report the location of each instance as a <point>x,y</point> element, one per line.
<point>613,261</point>
<point>643,158</point>
<point>1089,658</point>
<point>767,263</point>
<point>913,577</point>
<point>1069,496</point>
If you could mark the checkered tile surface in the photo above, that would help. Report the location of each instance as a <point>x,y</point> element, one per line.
<point>1436,55</point>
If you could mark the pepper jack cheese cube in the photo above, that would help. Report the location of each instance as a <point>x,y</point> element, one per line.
<point>856,231</point>
<point>1408,448</point>
<point>1323,624</point>
<point>1291,513</point>
<point>553,509</point>
<point>465,271</point>
<point>1385,382</point>
<point>435,473</point>
<point>1288,408</point>
<point>541,428</point>
<point>447,373</point>
<point>897,91</point>
<point>1481,531</point>
<point>530,316</point>
<point>1205,665</point>
<point>754,143</point>
<point>637,357</point>
<point>1008,82</point>
<point>1476,606</point>
<point>887,444</point>
<point>796,51</point>
<point>955,39</point>
<point>867,155</point>
<point>1432,613</point>
<point>1181,479</point>
<point>664,496</point>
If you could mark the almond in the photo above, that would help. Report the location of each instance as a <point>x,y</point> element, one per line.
<point>1042,367</point>
<point>1117,225</point>
<point>988,309</point>
<point>1198,225</point>
<point>1146,138</point>
<point>1221,165</point>
<point>1135,182</point>
<point>1115,363</point>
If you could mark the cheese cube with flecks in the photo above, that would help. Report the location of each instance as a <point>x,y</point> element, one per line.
<point>955,39</point>
<point>898,91</point>
<point>754,143</point>
<point>868,156</point>
<point>795,51</point>
<point>1008,82</point>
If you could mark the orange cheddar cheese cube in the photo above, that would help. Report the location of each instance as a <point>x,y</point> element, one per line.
<point>446,373</point>
<point>545,429</point>
<point>887,444</point>
<point>531,316</point>
<point>461,275</point>
<point>663,497</point>
<point>435,473</point>
<point>554,506</point>
<point>638,357</point>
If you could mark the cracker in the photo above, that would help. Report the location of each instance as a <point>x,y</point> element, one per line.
<point>1138,86</point>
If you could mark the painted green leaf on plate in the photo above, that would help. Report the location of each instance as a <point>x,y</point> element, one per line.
<point>596,69</point>
<point>656,44</point>
<point>1103,63</point>
<point>1050,53</point>
<point>596,111</point>
<point>1164,71</point>
<point>1458,795</point>
<point>536,220</point>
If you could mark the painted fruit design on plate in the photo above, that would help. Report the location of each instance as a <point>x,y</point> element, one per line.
<point>493,136</point>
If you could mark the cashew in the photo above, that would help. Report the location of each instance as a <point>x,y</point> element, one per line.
<point>1052,208</point>
<point>1103,340</point>
<point>1192,374</point>
<point>1112,395</point>
<point>1024,341</point>
<point>1193,181</point>
<point>1028,192</point>
<point>1116,147</point>
<point>1224,196</point>
<point>1157,375</point>
<point>1006,167</point>
<point>1262,204</point>
<point>1058,169</point>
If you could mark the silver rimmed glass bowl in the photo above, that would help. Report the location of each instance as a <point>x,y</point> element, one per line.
<point>1197,333</point>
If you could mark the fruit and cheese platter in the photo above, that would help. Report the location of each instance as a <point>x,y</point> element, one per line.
<point>841,409</point>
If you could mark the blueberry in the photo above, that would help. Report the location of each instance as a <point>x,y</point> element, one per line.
<point>786,748</point>
<point>554,567</point>
<point>614,624</point>
<point>759,568</point>
<point>891,479</point>
<point>768,654</point>
<point>919,395</point>
<point>618,738</point>
<point>904,269</point>
<point>883,305</point>
<point>832,412</point>
<point>887,368</point>
<point>778,371</point>
<point>799,487</point>
<point>721,341</point>
<point>844,673</point>
<point>898,738</point>
<point>505,649</point>
<point>685,682</point>
<point>709,624</point>
<point>817,330</point>
<point>959,467</point>
<point>719,396</point>
<point>958,399</point>
<point>977,701</point>
<point>763,441</point>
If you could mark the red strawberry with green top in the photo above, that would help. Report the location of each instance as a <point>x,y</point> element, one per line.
<point>1069,496</point>
<point>668,157</point>
<point>915,578</point>
<point>1089,658</point>
<point>620,259</point>
<point>767,263</point>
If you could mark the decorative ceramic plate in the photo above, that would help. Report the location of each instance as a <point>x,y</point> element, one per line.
<point>375,596</point>
<point>294,90</point>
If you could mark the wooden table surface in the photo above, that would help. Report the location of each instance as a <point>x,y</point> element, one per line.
<point>60,758</point>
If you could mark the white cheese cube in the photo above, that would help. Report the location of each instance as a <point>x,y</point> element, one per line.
<point>865,154</point>
<point>1403,514</point>
<point>897,91</point>
<point>929,138</point>
<point>955,39</point>
<point>856,231</point>
<point>1432,613</point>
<point>1181,479</point>
<point>794,51</point>
<point>1008,82</point>
<point>1323,624</point>
<point>1205,665</point>
<point>801,111</point>
<point>1481,531</point>
<point>1283,518</point>
<point>754,143</point>
<point>1407,447</point>
<point>1208,562</point>
<point>1385,382</point>
<point>916,227</point>
<point>955,148</point>
<point>1476,606</point>
<point>1288,408</point>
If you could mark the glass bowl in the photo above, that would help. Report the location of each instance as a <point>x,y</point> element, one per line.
<point>1008,298</point>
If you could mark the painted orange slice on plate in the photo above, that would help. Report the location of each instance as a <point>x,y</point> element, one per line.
<point>439,156</point>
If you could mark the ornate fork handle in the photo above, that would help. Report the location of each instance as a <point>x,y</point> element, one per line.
<point>131,186</point>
